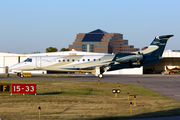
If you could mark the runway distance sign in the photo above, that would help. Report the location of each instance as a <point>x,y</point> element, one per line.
<point>23,88</point>
<point>5,88</point>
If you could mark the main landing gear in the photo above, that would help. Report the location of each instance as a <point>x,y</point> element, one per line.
<point>100,76</point>
<point>98,72</point>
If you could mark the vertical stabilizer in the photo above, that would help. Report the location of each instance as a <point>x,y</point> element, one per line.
<point>167,68</point>
<point>160,43</point>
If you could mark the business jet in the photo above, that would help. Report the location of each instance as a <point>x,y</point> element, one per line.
<point>98,63</point>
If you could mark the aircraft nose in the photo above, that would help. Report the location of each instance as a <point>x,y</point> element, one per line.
<point>13,67</point>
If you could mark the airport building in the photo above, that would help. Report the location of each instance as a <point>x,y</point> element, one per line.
<point>100,41</point>
<point>169,58</point>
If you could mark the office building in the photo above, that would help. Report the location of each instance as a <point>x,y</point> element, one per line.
<point>101,42</point>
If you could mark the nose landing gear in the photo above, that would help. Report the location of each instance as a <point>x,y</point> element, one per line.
<point>22,74</point>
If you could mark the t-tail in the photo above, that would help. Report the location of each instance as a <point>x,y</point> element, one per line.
<point>157,46</point>
<point>153,53</point>
<point>167,68</point>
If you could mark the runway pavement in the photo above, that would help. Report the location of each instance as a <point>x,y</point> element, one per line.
<point>168,85</point>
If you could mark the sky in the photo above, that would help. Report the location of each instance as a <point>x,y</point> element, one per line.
<point>27,26</point>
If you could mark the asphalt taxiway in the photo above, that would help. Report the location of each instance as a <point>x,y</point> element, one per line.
<point>169,85</point>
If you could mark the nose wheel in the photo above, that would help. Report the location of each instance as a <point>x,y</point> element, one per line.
<point>22,75</point>
<point>100,76</point>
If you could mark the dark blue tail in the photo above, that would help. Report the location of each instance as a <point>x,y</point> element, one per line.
<point>160,42</point>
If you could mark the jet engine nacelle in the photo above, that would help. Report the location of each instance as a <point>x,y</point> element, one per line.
<point>130,58</point>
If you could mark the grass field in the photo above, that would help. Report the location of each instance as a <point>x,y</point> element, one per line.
<point>84,100</point>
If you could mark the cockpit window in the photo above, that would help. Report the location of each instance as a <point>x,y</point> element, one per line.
<point>28,60</point>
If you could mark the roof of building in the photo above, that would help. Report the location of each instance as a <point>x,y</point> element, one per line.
<point>98,31</point>
<point>94,36</point>
<point>171,54</point>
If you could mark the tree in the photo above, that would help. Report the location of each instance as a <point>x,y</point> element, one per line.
<point>51,49</point>
<point>64,49</point>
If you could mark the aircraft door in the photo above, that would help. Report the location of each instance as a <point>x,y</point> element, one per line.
<point>38,62</point>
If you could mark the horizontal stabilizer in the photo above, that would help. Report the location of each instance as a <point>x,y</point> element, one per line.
<point>165,36</point>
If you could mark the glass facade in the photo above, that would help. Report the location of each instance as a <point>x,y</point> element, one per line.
<point>88,46</point>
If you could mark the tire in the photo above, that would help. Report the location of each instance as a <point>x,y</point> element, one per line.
<point>100,76</point>
<point>22,75</point>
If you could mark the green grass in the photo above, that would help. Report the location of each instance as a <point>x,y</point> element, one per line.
<point>84,100</point>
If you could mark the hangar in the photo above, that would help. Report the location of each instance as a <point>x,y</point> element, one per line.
<point>169,58</point>
<point>9,59</point>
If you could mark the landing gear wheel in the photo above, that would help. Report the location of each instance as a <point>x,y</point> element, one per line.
<point>22,75</point>
<point>100,76</point>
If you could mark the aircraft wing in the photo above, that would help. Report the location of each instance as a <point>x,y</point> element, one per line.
<point>104,64</point>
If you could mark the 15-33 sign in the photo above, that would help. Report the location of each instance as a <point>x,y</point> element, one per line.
<point>23,88</point>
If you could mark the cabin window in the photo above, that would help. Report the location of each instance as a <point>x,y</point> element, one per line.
<point>67,60</point>
<point>88,59</point>
<point>99,59</point>
<point>78,60</point>
<point>94,59</point>
<point>63,60</point>
<point>83,59</point>
<point>73,60</point>
<point>59,60</point>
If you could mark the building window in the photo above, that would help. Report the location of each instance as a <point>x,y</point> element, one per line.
<point>84,48</point>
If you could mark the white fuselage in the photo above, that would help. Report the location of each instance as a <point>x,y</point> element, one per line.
<point>63,62</point>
